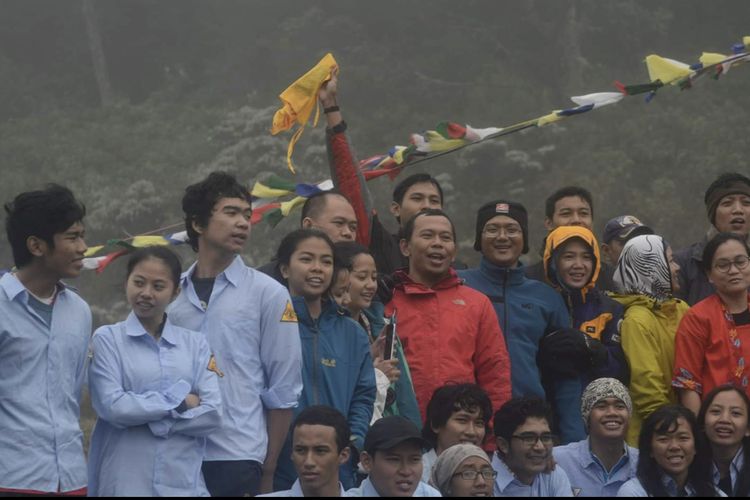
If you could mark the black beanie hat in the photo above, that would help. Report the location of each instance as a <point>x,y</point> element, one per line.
<point>724,185</point>
<point>515,211</point>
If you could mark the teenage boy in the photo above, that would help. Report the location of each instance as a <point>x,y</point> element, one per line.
<point>392,458</point>
<point>449,331</point>
<point>600,464</point>
<point>457,413</point>
<point>44,333</point>
<point>524,448</point>
<point>320,445</point>
<point>727,202</point>
<point>248,320</point>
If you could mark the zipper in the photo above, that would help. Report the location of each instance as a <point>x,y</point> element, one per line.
<point>316,332</point>
<point>505,301</point>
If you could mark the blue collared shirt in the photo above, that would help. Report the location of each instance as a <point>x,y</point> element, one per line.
<point>41,375</point>
<point>141,446</point>
<point>734,469</point>
<point>296,491</point>
<point>251,329</point>
<point>553,484</point>
<point>634,488</point>
<point>367,489</point>
<point>587,475</point>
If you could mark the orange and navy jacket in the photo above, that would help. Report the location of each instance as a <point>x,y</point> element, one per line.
<point>450,333</point>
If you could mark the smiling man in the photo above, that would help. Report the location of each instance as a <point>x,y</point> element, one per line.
<point>250,326</point>
<point>44,334</point>
<point>727,202</point>
<point>449,331</point>
<point>524,447</point>
<point>599,465</point>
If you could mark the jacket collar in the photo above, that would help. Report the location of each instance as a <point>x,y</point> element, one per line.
<point>13,286</point>
<point>502,275</point>
<point>409,286</point>
<point>134,328</point>
<point>328,310</point>
<point>233,273</point>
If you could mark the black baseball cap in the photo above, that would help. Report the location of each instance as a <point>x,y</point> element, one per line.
<point>623,227</point>
<point>391,431</point>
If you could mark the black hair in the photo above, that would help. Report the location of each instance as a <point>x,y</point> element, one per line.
<point>663,421</point>
<point>329,417</point>
<point>584,194</point>
<point>291,241</point>
<point>725,180</point>
<point>201,198</point>
<point>402,187</point>
<point>347,251</point>
<point>43,214</point>
<point>167,256</point>
<point>317,203</point>
<point>515,412</point>
<point>742,488</point>
<point>409,227</point>
<point>452,398</point>
<point>713,245</point>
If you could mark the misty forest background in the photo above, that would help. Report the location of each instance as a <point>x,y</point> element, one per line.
<point>128,102</point>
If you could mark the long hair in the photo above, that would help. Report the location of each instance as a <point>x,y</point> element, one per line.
<point>742,488</point>
<point>663,421</point>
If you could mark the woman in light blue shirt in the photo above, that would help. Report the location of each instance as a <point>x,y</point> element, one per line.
<point>154,387</point>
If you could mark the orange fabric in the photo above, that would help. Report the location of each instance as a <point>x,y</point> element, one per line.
<point>703,357</point>
<point>450,333</point>
<point>562,234</point>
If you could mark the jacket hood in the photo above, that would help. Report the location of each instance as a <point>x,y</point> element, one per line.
<point>558,238</point>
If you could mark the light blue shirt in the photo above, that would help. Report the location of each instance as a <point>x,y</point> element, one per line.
<point>738,462</point>
<point>42,370</point>
<point>367,489</point>
<point>587,475</point>
<point>251,329</point>
<point>428,460</point>
<point>141,446</point>
<point>553,484</point>
<point>634,488</point>
<point>296,491</point>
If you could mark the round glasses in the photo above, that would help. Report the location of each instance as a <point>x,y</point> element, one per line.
<point>740,262</point>
<point>510,231</point>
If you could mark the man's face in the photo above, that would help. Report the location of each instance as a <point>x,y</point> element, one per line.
<point>528,459</point>
<point>570,211</point>
<point>419,196</point>
<point>395,472</point>
<point>733,214</point>
<point>462,427</point>
<point>431,249</point>
<point>502,241</point>
<point>611,251</point>
<point>337,219</point>
<point>575,264</point>
<point>609,419</point>
<point>316,457</point>
<point>65,260</point>
<point>228,227</point>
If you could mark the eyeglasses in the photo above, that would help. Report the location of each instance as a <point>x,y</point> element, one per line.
<point>510,231</point>
<point>740,262</point>
<point>530,439</point>
<point>471,475</point>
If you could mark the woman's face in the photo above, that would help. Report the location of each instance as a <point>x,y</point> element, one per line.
<point>480,486</point>
<point>575,264</point>
<point>340,288</point>
<point>675,450</point>
<point>150,288</point>
<point>727,274</point>
<point>726,420</point>
<point>363,282</point>
<point>310,269</point>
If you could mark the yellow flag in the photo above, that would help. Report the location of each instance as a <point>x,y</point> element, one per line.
<point>263,191</point>
<point>709,58</point>
<point>298,101</point>
<point>148,241</point>
<point>666,70</point>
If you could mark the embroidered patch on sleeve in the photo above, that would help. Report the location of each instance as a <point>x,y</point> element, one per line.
<point>212,367</point>
<point>289,315</point>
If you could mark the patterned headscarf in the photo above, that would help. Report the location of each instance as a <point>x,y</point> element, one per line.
<point>603,388</point>
<point>450,460</point>
<point>643,268</point>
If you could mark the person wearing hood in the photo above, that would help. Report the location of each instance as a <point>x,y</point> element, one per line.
<point>646,279</point>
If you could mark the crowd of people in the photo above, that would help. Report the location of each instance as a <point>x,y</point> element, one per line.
<point>362,363</point>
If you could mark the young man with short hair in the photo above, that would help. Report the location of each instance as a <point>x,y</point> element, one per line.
<point>248,320</point>
<point>449,331</point>
<point>44,334</point>
<point>601,463</point>
<point>524,448</point>
<point>727,202</point>
<point>617,232</point>
<point>320,445</point>
<point>456,413</point>
<point>392,458</point>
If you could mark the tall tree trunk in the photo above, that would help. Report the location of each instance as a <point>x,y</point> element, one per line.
<point>97,54</point>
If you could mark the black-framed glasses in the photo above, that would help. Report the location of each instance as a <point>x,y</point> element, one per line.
<point>471,474</point>
<point>740,262</point>
<point>530,438</point>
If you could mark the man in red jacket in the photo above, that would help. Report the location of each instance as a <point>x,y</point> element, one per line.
<point>449,331</point>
